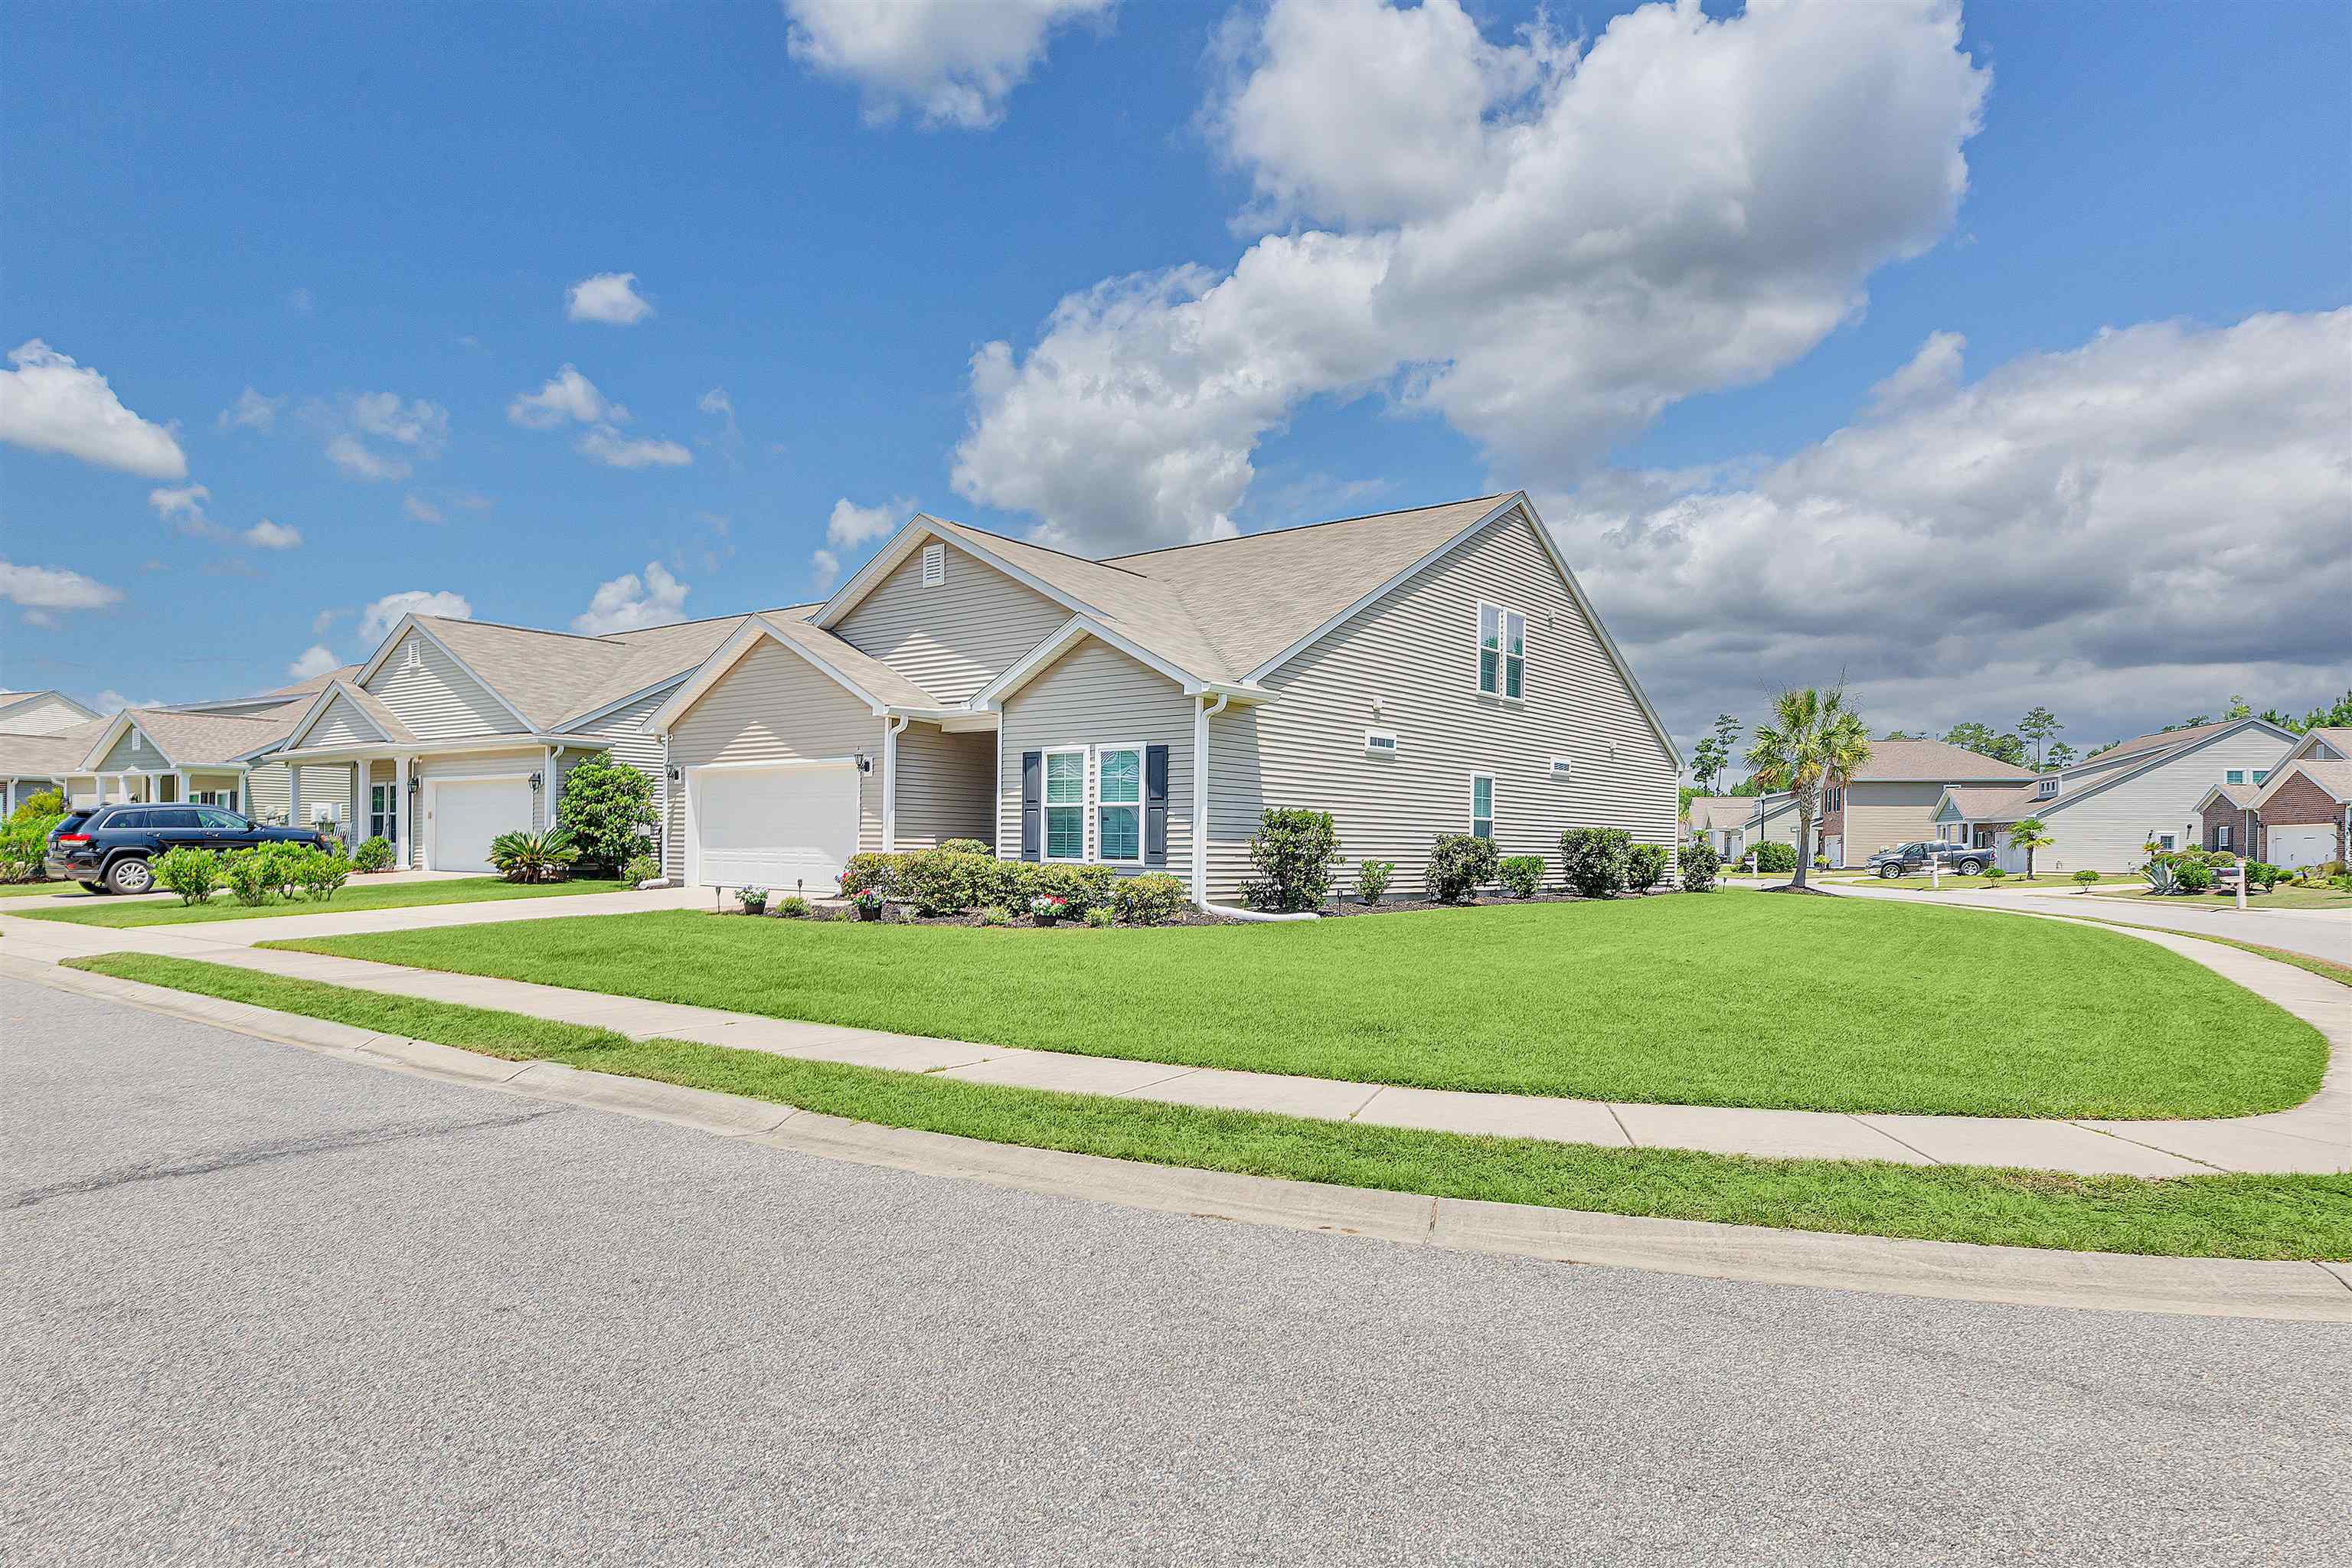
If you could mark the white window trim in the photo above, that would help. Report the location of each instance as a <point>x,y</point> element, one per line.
<point>1494,805</point>
<point>1142,799</point>
<point>1503,614</point>
<point>1046,805</point>
<point>2234,775</point>
<point>2221,836</point>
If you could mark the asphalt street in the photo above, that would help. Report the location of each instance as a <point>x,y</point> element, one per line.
<point>264,1304</point>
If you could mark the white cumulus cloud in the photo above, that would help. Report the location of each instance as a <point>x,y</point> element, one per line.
<point>49,404</point>
<point>314,660</point>
<point>358,460</point>
<point>824,569</point>
<point>1543,245</point>
<point>2129,531</point>
<point>417,431</point>
<point>41,588</point>
<point>269,535</point>
<point>182,506</point>
<point>615,451</point>
<point>251,411</point>
<point>384,614</point>
<point>953,62</point>
<point>849,531</point>
<point>608,297</point>
<point>565,396</point>
<point>629,602</point>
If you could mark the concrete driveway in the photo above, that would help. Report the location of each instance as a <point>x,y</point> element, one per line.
<point>266,1305</point>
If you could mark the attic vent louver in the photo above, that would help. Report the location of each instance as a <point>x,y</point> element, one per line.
<point>935,565</point>
<point>1380,742</point>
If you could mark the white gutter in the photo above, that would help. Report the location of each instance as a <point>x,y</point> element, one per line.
<point>891,729</point>
<point>1202,713</point>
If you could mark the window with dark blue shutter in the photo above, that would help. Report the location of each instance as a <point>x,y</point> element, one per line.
<point>1155,805</point>
<point>1033,804</point>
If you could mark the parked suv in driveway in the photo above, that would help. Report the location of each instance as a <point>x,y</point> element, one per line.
<point>106,848</point>
<point>1913,857</point>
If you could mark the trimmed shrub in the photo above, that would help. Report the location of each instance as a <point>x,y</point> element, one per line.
<point>1994,873</point>
<point>1771,855</point>
<point>607,807</point>
<point>1645,867</point>
<point>1081,887</point>
<point>641,869</point>
<point>1295,850</point>
<point>945,881</point>
<point>1592,860</point>
<point>374,855</point>
<point>967,847</point>
<point>2261,875</point>
<point>2193,875</point>
<point>1372,880</point>
<point>24,842</point>
<point>41,804</point>
<point>1149,899</point>
<point>251,875</point>
<point>864,871</point>
<point>533,856</point>
<point>2087,877</point>
<point>1521,875</point>
<point>321,873</point>
<point>188,871</point>
<point>1099,920</point>
<point>1459,865</point>
<point>792,907</point>
<point>1700,865</point>
<point>996,915</point>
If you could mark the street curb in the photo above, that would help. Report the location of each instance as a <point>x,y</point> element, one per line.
<point>2311,1292</point>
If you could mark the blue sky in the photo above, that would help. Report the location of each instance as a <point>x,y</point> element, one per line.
<point>326,204</point>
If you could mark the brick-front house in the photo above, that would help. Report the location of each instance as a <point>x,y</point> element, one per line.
<point>2297,814</point>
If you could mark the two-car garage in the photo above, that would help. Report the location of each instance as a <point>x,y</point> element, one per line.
<point>790,826</point>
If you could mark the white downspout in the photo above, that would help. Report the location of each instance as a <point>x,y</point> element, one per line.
<point>1203,712</point>
<point>891,725</point>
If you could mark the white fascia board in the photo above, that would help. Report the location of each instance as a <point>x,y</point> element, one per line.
<point>867,578</point>
<point>2158,757</point>
<point>318,710</point>
<point>574,726</point>
<point>1077,629</point>
<point>755,631</point>
<point>105,743</point>
<point>1517,499</point>
<point>392,640</point>
<point>504,742</point>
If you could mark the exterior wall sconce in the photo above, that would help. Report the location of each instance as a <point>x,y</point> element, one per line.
<point>676,774</point>
<point>536,780</point>
<point>864,762</point>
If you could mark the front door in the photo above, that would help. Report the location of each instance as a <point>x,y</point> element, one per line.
<point>383,813</point>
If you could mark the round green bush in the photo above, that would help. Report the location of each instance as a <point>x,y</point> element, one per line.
<point>2193,875</point>
<point>1459,865</point>
<point>1521,875</point>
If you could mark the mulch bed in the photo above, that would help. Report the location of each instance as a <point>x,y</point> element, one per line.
<point>905,915</point>
<point>1407,906</point>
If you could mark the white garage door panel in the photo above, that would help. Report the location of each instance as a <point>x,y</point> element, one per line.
<point>468,813</point>
<point>2293,846</point>
<point>779,827</point>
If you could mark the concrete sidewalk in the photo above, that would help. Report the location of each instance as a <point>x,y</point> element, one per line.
<point>2314,1137</point>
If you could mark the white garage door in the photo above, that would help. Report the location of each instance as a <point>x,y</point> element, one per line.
<point>788,827</point>
<point>466,813</point>
<point>2293,846</point>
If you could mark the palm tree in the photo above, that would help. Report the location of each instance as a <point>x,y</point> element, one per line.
<point>2028,835</point>
<point>1810,742</point>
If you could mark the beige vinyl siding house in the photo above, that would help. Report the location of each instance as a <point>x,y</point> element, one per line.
<point>1575,749</point>
<point>943,787</point>
<point>41,713</point>
<point>432,695</point>
<point>955,635</point>
<point>1093,700</point>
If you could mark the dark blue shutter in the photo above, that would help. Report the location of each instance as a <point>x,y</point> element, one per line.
<point>1033,804</point>
<point>1155,805</point>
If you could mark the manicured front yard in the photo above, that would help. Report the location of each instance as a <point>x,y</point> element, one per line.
<point>2282,897</point>
<point>1733,999</point>
<point>355,895</point>
<point>36,890</point>
<point>2212,1217</point>
<point>1952,882</point>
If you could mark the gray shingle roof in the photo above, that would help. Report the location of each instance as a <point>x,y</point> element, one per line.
<point>2158,742</point>
<point>2336,778</point>
<point>194,740</point>
<point>49,756</point>
<point>879,679</point>
<point>1978,804</point>
<point>1932,762</point>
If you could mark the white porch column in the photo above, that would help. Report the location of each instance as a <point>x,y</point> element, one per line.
<point>1201,711</point>
<point>400,826</point>
<point>294,795</point>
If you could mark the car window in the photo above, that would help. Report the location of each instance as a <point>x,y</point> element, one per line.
<point>228,819</point>
<point>167,821</point>
<point>119,821</point>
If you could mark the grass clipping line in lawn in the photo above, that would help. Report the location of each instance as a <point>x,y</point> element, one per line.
<point>2244,1216</point>
<point>1737,999</point>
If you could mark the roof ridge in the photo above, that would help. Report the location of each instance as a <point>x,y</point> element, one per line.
<point>1302,527</point>
<point>510,626</point>
<point>1032,544</point>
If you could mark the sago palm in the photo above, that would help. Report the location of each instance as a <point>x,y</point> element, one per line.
<point>1812,742</point>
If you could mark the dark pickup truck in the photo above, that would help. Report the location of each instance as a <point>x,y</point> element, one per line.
<point>106,849</point>
<point>1910,858</point>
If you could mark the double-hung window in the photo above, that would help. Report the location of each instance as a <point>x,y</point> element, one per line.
<point>1065,803</point>
<point>1118,804</point>
<point>2235,775</point>
<point>1481,806</point>
<point>2261,773</point>
<point>1502,651</point>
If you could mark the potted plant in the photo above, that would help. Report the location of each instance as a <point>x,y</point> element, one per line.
<point>753,899</point>
<point>1046,909</point>
<point>867,902</point>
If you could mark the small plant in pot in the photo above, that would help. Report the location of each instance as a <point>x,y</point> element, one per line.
<point>753,899</point>
<point>868,902</point>
<point>1048,909</point>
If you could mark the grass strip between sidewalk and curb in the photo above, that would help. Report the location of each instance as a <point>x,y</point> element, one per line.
<point>353,897</point>
<point>2222,1215</point>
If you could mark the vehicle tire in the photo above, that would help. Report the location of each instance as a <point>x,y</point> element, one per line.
<point>93,886</point>
<point>1889,871</point>
<point>129,876</point>
<point>1971,868</point>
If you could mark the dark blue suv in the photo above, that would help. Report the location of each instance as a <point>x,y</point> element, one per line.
<point>106,849</point>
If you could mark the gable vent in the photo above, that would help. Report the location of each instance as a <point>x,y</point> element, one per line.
<point>935,565</point>
<point>1380,742</point>
<point>414,658</point>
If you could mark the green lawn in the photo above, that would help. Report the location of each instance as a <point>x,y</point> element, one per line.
<point>356,895</point>
<point>2282,897</point>
<point>32,890</point>
<point>1733,999</point>
<point>2255,1216</point>
<point>1955,883</point>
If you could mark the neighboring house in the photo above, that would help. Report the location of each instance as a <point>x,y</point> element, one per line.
<point>2297,813</point>
<point>1893,799</point>
<point>453,733</point>
<point>42,713</point>
<point>1724,821</point>
<point>31,764</point>
<point>2103,812</point>
<point>1416,673</point>
<point>165,754</point>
